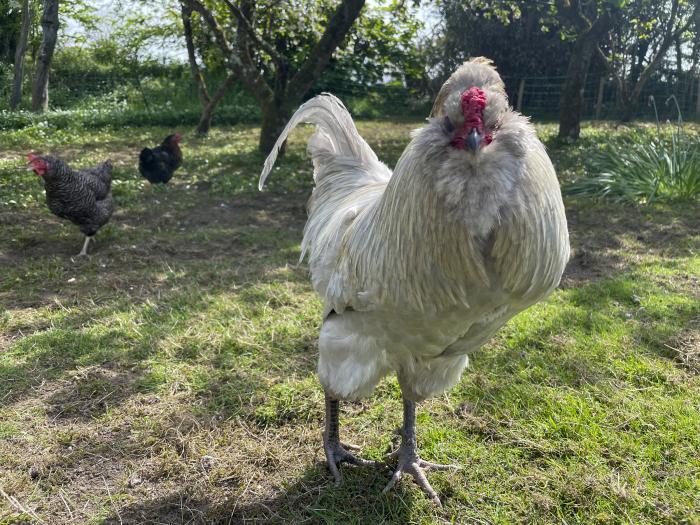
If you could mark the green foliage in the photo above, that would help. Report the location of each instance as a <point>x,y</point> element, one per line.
<point>381,43</point>
<point>112,79</point>
<point>103,85</point>
<point>642,29</point>
<point>505,31</point>
<point>84,17</point>
<point>642,170</point>
<point>10,18</point>
<point>107,112</point>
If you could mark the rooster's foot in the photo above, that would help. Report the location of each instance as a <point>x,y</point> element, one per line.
<point>81,255</point>
<point>337,453</point>
<point>410,463</point>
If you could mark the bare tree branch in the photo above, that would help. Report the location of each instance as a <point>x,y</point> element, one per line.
<point>247,52</point>
<point>663,48</point>
<point>243,21</point>
<point>205,120</point>
<point>573,12</point>
<point>246,71</point>
<point>254,59</point>
<point>338,26</point>
<point>20,52</point>
<point>186,12</point>
<point>213,24</point>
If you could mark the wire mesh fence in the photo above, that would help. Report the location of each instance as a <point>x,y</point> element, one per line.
<point>602,97</point>
<point>171,91</point>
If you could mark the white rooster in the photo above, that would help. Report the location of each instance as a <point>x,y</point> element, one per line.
<point>419,267</point>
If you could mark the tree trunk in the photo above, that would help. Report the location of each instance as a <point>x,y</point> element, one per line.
<point>49,25</point>
<point>274,119</point>
<point>628,102</point>
<point>571,101</point>
<point>638,60</point>
<point>204,124</point>
<point>204,98</point>
<point>679,59</point>
<point>205,120</point>
<point>20,52</point>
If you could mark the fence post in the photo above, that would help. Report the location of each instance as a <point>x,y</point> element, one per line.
<point>599,100</point>
<point>697,102</point>
<point>521,93</point>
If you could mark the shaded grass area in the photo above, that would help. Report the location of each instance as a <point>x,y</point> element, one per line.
<point>170,378</point>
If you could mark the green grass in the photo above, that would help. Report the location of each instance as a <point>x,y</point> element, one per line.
<point>170,377</point>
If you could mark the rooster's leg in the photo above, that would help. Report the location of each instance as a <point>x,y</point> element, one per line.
<point>337,452</point>
<point>83,252</point>
<point>409,460</point>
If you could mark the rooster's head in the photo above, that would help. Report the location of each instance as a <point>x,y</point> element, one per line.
<point>470,104</point>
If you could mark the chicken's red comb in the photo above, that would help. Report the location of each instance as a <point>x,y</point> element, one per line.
<point>31,157</point>
<point>473,103</point>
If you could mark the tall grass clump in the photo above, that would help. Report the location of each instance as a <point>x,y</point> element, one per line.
<point>643,169</point>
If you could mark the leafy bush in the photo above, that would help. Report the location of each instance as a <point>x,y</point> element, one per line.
<point>98,113</point>
<point>642,170</point>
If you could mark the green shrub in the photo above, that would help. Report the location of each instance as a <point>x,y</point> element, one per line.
<point>643,170</point>
<point>99,112</point>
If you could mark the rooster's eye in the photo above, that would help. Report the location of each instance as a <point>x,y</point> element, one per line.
<point>447,124</point>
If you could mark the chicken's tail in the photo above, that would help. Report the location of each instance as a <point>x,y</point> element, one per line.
<point>336,135</point>
<point>146,154</point>
<point>103,171</point>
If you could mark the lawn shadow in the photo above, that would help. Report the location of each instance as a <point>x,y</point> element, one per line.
<point>310,498</point>
<point>607,239</point>
<point>71,343</point>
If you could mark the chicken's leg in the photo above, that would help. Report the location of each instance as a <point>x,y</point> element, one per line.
<point>409,461</point>
<point>337,452</point>
<point>83,252</point>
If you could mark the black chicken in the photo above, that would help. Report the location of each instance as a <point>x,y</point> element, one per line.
<point>82,196</point>
<point>157,165</point>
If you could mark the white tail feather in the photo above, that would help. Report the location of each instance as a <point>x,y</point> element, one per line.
<point>330,115</point>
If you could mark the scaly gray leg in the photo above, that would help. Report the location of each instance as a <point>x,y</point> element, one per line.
<point>337,452</point>
<point>83,252</point>
<point>409,461</point>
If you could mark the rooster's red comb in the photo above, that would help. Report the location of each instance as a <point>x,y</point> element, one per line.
<point>473,103</point>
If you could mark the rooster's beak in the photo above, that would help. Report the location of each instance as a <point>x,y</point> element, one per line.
<point>474,140</point>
